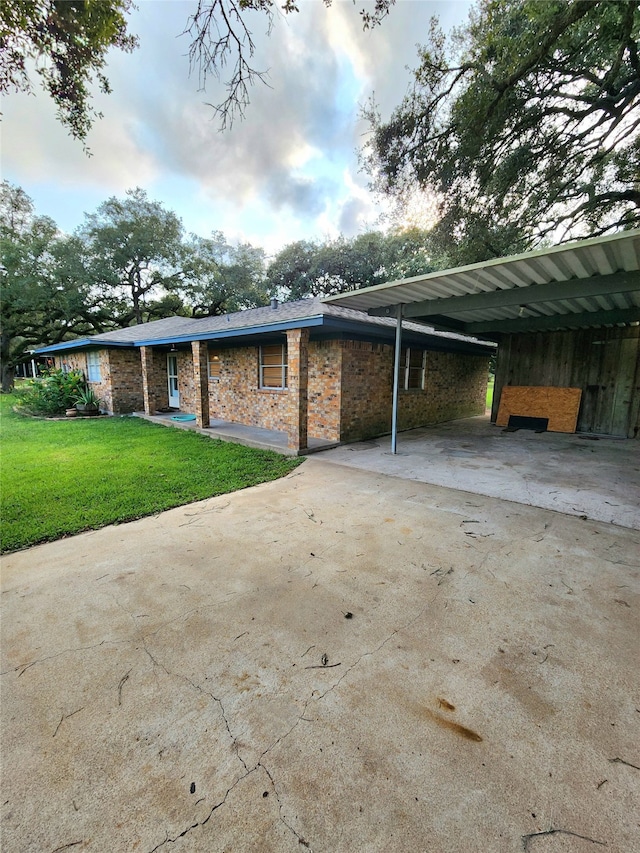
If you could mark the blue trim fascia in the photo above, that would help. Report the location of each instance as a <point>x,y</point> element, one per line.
<point>82,343</point>
<point>426,338</point>
<point>220,334</point>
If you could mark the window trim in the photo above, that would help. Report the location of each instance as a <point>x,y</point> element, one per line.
<point>211,356</point>
<point>94,373</point>
<point>408,369</point>
<point>283,367</point>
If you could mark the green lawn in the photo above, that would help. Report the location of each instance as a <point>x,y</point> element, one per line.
<point>489,399</point>
<point>61,477</point>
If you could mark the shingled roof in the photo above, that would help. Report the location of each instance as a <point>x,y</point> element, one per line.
<point>276,318</point>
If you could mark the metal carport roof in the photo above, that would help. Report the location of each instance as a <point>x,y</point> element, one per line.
<point>579,285</point>
<point>589,283</point>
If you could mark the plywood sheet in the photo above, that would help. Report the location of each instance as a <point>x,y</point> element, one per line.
<point>560,405</point>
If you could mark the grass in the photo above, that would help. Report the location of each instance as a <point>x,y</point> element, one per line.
<point>61,477</point>
<point>490,386</point>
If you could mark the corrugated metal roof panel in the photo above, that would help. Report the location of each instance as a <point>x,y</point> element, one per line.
<point>571,262</point>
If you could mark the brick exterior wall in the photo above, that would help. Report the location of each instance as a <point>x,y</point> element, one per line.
<point>455,387</point>
<point>199,351</point>
<point>120,386</point>
<point>154,379</point>
<point>186,382</point>
<point>237,397</point>
<point>366,386</point>
<point>298,379</point>
<point>349,387</point>
<point>325,371</point>
<point>125,374</point>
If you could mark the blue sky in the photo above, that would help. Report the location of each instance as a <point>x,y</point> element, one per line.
<point>289,171</point>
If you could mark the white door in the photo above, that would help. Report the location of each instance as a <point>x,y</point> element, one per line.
<point>172,378</point>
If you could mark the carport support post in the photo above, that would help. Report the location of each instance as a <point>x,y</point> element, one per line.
<point>396,380</point>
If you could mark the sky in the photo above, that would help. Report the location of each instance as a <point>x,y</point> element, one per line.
<point>288,172</point>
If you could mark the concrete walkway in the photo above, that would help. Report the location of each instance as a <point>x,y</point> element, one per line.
<point>337,661</point>
<point>264,439</point>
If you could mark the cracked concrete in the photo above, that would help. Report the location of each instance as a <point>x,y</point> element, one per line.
<point>338,661</point>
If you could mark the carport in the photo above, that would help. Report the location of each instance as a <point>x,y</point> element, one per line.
<point>566,316</point>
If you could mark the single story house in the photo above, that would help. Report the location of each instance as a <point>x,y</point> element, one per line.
<point>307,368</point>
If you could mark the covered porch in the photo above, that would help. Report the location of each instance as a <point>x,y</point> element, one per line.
<point>176,381</point>
<point>250,436</point>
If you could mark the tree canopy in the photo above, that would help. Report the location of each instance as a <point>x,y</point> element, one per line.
<point>67,40</point>
<point>305,268</point>
<point>525,125</point>
<point>41,300</point>
<point>132,248</point>
<point>223,277</point>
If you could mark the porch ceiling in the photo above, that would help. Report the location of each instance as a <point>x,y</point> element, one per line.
<point>586,284</point>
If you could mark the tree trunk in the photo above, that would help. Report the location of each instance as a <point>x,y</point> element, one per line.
<point>8,372</point>
<point>8,369</point>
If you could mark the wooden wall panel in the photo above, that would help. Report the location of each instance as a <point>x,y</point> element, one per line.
<point>559,405</point>
<point>603,363</point>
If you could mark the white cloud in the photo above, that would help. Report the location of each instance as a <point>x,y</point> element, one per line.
<point>288,171</point>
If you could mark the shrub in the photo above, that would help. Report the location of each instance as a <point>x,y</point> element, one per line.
<point>88,397</point>
<point>51,394</point>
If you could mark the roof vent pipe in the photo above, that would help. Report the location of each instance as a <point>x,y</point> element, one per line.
<point>274,303</point>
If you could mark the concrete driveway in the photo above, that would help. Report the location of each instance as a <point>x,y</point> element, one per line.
<point>338,661</point>
<point>596,477</point>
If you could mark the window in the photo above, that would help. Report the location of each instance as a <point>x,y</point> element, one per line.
<point>214,364</point>
<point>414,364</point>
<point>93,367</point>
<point>273,366</point>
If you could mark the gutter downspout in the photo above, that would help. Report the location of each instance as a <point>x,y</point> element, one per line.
<point>396,380</point>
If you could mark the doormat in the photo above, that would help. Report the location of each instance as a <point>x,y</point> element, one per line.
<point>517,422</point>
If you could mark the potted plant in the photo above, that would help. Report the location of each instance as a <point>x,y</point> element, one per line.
<point>87,402</point>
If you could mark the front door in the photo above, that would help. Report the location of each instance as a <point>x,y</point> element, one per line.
<point>172,378</point>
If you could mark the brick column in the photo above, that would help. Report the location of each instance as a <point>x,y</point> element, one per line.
<point>148,380</point>
<point>298,375</point>
<point>201,382</point>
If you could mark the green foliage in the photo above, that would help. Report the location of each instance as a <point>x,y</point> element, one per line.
<point>52,394</point>
<point>68,40</point>
<point>44,296</point>
<point>61,477</point>
<point>525,127</point>
<point>132,248</point>
<point>304,268</point>
<point>221,278</point>
<point>87,396</point>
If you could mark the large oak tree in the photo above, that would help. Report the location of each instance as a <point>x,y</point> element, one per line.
<point>525,125</point>
<point>43,297</point>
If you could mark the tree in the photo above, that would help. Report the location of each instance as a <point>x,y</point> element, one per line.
<point>222,277</point>
<point>68,41</point>
<point>41,301</point>
<point>303,269</point>
<point>133,253</point>
<point>526,127</point>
